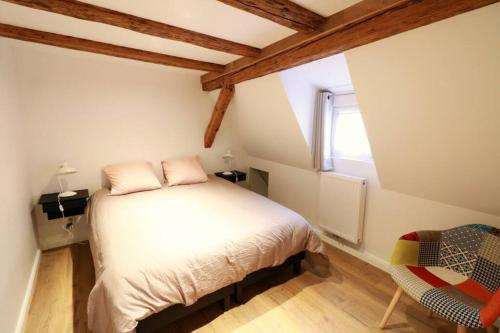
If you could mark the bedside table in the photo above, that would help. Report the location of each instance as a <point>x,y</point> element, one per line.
<point>74,205</point>
<point>54,231</point>
<point>234,177</point>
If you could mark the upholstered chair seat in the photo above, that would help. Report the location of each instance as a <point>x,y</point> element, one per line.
<point>455,273</point>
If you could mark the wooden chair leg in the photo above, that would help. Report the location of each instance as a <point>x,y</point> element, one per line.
<point>461,329</point>
<point>392,305</point>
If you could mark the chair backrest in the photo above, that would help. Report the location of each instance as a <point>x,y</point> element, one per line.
<point>473,250</point>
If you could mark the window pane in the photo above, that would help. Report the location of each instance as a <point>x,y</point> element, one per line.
<point>350,139</point>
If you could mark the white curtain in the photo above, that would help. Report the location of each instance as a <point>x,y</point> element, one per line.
<point>324,122</point>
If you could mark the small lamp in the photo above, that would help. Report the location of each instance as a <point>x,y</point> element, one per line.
<point>228,158</point>
<point>65,169</point>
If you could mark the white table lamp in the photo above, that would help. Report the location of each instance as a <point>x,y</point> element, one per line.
<point>228,158</point>
<point>65,169</point>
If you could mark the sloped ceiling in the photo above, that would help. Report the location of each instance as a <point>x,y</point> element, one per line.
<point>274,114</point>
<point>266,123</point>
<point>303,82</point>
<point>429,97</point>
<point>430,100</point>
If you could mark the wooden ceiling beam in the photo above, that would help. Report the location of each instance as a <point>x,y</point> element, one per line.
<point>283,12</point>
<point>80,44</point>
<point>225,96</point>
<point>359,12</point>
<point>88,12</point>
<point>360,24</point>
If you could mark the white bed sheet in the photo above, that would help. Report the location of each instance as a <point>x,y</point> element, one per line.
<point>174,245</point>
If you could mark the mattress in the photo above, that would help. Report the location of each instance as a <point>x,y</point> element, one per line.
<point>177,244</point>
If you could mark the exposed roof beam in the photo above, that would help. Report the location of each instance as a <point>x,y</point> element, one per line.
<point>80,44</point>
<point>283,12</point>
<point>225,96</point>
<point>360,24</point>
<point>359,12</point>
<point>94,13</point>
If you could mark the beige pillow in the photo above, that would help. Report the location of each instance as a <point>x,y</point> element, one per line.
<point>184,171</point>
<point>131,177</point>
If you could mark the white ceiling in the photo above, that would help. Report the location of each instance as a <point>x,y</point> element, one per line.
<point>430,102</point>
<point>207,16</point>
<point>325,7</point>
<point>329,73</point>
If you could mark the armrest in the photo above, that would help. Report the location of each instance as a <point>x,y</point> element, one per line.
<point>406,251</point>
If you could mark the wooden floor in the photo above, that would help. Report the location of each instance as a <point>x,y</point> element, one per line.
<point>352,299</point>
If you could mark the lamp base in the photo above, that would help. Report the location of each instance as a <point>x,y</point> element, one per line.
<point>67,194</point>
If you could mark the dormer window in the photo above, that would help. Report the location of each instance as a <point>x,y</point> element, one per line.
<point>339,132</point>
<point>349,134</point>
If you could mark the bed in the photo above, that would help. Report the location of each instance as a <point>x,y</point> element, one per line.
<point>156,249</point>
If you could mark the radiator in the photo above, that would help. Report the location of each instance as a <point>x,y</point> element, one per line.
<point>342,205</point>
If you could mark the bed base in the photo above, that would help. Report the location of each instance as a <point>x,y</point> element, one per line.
<point>264,273</point>
<point>157,321</point>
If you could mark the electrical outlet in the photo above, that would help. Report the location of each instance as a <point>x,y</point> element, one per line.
<point>69,226</point>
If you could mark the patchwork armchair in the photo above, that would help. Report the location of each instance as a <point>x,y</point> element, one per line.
<point>454,273</point>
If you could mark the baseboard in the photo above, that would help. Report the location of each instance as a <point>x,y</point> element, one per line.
<point>28,295</point>
<point>366,257</point>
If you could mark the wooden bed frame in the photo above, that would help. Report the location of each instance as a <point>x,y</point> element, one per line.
<point>161,319</point>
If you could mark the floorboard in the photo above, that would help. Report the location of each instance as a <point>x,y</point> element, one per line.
<point>352,299</point>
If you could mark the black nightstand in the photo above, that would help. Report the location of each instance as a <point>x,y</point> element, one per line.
<point>74,205</point>
<point>239,175</point>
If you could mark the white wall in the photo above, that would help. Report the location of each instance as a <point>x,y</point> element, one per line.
<point>389,83</point>
<point>17,242</point>
<point>388,214</point>
<point>430,99</point>
<point>266,124</point>
<point>94,110</point>
<point>303,82</point>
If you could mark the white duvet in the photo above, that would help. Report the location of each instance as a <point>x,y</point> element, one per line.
<point>174,245</point>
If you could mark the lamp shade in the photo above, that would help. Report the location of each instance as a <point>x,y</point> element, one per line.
<point>65,169</point>
<point>228,157</point>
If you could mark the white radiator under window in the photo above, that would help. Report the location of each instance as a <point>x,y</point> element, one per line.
<point>342,205</point>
